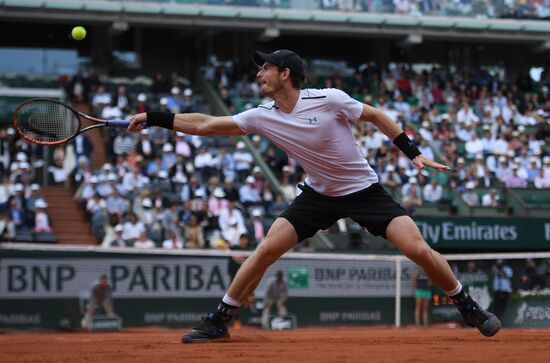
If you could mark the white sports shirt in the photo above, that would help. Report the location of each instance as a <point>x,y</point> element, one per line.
<point>318,134</point>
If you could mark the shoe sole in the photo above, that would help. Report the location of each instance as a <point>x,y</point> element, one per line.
<point>186,339</point>
<point>490,327</point>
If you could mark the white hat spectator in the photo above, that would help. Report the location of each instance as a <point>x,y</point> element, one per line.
<point>250,179</point>
<point>40,204</point>
<point>163,101</point>
<point>24,165</point>
<point>256,213</point>
<point>517,160</point>
<point>390,168</point>
<point>256,138</point>
<point>256,169</point>
<point>411,172</point>
<point>112,177</point>
<point>175,91</point>
<point>502,159</point>
<point>510,153</point>
<point>425,124</point>
<point>479,157</point>
<point>119,228</point>
<point>546,160</point>
<point>147,203</point>
<point>521,128</point>
<point>286,169</point>
<point>515,133</point>
<point>460,161</point>
<point>240,145</point>
<point>163,174</point>
<point>18,187</point>
<point>93,179</point>
<point>35,187</point>
<point>199,193</point>
<point>533,160</point>
<point>188,92</point>
<point>145,132</point>
<point>486,127</point>
<point>167,148</point>
<point>142,97</point>
<point>515,166</point>
<point>107,166</point>
<point>11,131</point>
<point>179,134</point>
<point>470,185</point>
<point>219,193</point>
<point>412,180</point>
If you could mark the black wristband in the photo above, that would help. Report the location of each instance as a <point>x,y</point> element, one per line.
<point>161,119</point>
<point>406,145</point>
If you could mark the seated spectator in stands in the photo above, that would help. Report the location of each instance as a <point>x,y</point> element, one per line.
<point>390,177</point>
<point>490,199</point>
<point>189,103</point>
<point>231,234</point>
<point>470,197</point>
<point>7,227</point>
<point>414,194</point>
<point>426,149</point>
<point>168,158</point>
<point>6,190</point>
<point>543,180</point>
<point>243,161</point>
<point>216,202</point>
<point>466,114</point>
<point>246,89</point>
<point>474,146</point>
<point>96,203</point>
<point>144,146</point>
<point>41,218</point>
<point>141,105</point>
<point>175,102</point>
<point>224,164</point>
<point>533,170</point>
<point>204,163</point>
<point>514,180</point>
<point>159,136</point>
<point>101,99</point>
<point>288,187</point>
<point>143,241</point>
<point>133,228</point>
<point>231,213</point>
<point>194,234</point>
<point>230,190</point>
<point>248,194</point>
<point>119,240</point>
<point>433,192</point>
<point>122,101</point>
<point>173,243</point>
<point>488,141</point>
<point>189,190</point>
<point>486,180</point>
<point>18,216</point>
<point>278,205</point>
<point>226,99</point>
<point>83,146</point>
<point>116,204</point>
<point>258,226</point>
<point>34,197</point>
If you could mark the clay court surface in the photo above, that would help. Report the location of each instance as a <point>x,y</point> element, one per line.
<point>341,344</point>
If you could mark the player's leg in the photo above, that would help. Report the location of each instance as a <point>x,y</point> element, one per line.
<point>404,234</point>
<point>281,237</point>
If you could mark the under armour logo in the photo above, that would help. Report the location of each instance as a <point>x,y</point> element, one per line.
<point>313,120</point>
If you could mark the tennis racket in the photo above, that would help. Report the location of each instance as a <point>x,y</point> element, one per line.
<point>49,122</point>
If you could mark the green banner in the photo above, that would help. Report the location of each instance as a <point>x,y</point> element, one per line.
<point>486,234</point>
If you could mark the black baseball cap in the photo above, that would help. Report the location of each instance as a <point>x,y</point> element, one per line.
<point>283,58</point>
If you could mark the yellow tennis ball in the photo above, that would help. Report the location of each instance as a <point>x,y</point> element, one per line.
<point>78,33</point>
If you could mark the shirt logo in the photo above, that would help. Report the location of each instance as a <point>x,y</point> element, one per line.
<point>313,120</point>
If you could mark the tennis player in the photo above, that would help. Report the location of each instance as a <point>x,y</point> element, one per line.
<point>312,126</point>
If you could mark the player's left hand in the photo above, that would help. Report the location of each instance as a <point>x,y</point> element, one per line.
<point>422,162</point>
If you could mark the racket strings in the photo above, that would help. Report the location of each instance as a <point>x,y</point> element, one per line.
<point>47,121</point>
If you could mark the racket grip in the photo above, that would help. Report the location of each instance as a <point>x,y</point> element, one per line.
<point>118,123</point>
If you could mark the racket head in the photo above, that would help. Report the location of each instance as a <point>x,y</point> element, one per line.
<point>45,121</point>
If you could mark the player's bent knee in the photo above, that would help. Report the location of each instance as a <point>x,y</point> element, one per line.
<point>266,254</point>
<point>422,254</point>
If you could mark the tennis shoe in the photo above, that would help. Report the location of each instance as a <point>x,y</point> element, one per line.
<point>214,326</point>
<point>474,316</point>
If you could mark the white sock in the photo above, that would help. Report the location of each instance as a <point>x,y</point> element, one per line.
<point>456,290</point>
<point>230,301</point>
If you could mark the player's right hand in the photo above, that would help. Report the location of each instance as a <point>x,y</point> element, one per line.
<point>138,122</point>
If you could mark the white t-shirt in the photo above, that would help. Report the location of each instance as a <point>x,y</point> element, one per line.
<point>318,134</point>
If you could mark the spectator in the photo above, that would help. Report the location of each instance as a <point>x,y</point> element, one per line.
<point>101,100</point>
<point>119,241</point>
<point>133,228</point>
<point>514,180</point>
<point>502,287</point>
<point>204,163</point>
<point>121,101</point>
<point>248,194</point>
<point>243,161</point>
<point>194,234</point>
<point>490,199</point>
<point>173,243</point>
<point>433,192</point>
<point>41,218</point>
<point>543,180</point>
<point>143,241</point>
<point>390,177</point>
<point>470,197</point>
<point>174,102</point>
<point>7,227</point>
<point>259,228</point>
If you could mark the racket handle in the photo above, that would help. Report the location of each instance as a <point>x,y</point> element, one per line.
<point>118,123</point>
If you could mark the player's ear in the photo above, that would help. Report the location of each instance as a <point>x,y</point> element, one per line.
<point>285,74</point>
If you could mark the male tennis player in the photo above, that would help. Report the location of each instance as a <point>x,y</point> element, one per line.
<point>312,126</point>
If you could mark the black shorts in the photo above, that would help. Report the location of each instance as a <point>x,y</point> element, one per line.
<point>372,208</point>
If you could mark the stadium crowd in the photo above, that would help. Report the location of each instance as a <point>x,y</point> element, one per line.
<point>519,9</point>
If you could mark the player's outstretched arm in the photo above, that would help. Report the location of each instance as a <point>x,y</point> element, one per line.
<point>189,123</point>
<point>394,132</point>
